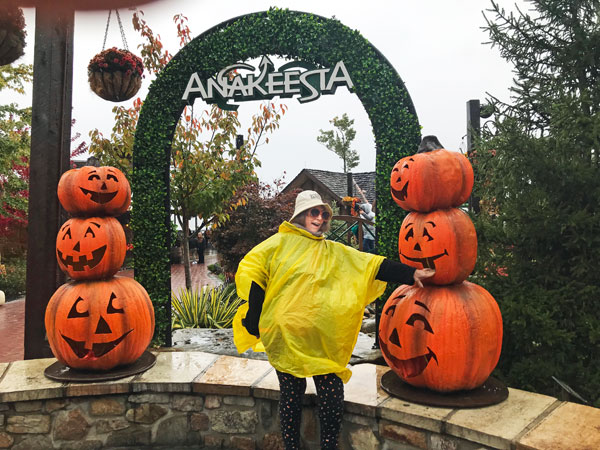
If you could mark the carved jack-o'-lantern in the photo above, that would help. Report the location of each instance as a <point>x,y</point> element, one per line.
<point>91,191</point>
<point>98,325</point>
<point>445,338</point>
<point>91,248</point>
<point>444,240</point>
<point>432,180</point>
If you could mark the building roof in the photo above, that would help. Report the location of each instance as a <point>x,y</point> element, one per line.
<point>334,184</point>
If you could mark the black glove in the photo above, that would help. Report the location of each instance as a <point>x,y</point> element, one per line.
<point>251,327</point>
<point>255,302</point>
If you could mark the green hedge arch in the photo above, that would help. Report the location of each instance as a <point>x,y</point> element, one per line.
<point>280,32</point>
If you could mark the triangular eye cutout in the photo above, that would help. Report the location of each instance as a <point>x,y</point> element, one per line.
<point>111,309</point>
<point>73,313</point>
<point>394,338</point>
<point>103,327</point>
<point>390,310</point>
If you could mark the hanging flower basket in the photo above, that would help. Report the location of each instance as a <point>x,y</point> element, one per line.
<point>12,33</point>
<point>115,74</point>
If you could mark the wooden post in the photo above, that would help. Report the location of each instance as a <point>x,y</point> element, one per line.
<point>349,189</point>
<point>50,151</point>
<point>473,132</point>
<point>473,122</point>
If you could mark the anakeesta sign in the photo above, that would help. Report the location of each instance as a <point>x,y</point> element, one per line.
<point>296,78</point>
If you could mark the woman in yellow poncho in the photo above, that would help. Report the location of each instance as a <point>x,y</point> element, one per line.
<point>306,297</point>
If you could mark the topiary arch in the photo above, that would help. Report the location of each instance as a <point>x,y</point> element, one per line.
<point>289,34</point>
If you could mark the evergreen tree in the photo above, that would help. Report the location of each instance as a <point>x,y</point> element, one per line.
<point>539,183</point>
<point>338,141</point>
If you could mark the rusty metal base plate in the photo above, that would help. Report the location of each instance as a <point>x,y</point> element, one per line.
<point>59,372</point>
<point>489,393</point>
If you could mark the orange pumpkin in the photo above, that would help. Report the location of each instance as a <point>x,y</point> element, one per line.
<point>433,180</point>
<point>91,248</point>
<point>445,338</point>
<point>99,325</point>
<point>444,240</point>
<point>94,191</point>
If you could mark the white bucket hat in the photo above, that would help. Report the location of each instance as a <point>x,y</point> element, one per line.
<point>309,199</point>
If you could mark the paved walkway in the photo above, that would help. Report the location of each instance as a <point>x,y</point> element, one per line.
<point>12,314</point>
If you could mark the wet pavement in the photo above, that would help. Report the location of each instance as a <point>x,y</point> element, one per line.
<point>12,314</point>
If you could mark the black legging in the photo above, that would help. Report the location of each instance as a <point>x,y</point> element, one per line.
<point>330,395</point>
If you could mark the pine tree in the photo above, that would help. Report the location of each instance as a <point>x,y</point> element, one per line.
<point>539,183</point>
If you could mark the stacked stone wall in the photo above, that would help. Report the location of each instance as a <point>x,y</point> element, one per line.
<point>193,400</point>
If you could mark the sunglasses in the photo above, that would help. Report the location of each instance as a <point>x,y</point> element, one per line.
<point>316,212</point>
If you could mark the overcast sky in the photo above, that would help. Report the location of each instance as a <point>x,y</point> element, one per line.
<point>436,46</point>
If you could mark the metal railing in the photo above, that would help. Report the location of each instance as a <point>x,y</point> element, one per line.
<point>343,232</point>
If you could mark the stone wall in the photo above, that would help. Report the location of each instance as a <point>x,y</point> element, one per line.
<point>200,400</point>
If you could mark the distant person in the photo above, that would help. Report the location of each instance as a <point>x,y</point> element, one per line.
<point>366,212</point>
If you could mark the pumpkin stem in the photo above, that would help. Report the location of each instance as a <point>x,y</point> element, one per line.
<point>429,143</point>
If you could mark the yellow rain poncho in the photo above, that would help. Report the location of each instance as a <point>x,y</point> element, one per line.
<point>315,294</point>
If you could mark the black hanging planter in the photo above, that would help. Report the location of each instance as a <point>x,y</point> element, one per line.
<point>115,74</point>
<point>12,33</point>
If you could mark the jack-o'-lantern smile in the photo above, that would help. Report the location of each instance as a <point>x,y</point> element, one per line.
<point>99,197</point>
<point>428,261</point>
<point>401,194</point>
<point>413,366</point>
<point>83,260</point>
<point>98,349</point>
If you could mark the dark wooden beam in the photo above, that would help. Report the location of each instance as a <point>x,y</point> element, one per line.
<point>473,122</point>
<point>473,133</point>
<point>50,151</point>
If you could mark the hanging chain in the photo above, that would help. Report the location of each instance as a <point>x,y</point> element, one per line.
<point>106,30</point>
<point>120,28</point>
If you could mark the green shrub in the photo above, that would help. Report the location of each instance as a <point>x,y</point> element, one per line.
<point>215,268</point>
<point>209,307</point>
<point>12,277</point>
<point>248,225</point>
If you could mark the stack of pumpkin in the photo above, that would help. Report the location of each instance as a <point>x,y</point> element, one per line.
<point>98,321</point>
<point>447,335</point>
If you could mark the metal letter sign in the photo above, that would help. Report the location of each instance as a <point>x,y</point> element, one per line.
<point>288,81</point>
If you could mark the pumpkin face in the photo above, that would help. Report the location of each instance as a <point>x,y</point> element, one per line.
<point>94,191</point>
<point>444,240</point>
<point>91,248</point>
<point>98,325</point>
<point>433,180</point>
<point>445,338</point>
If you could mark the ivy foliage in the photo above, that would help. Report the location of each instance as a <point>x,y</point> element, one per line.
<point>283,33</point>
